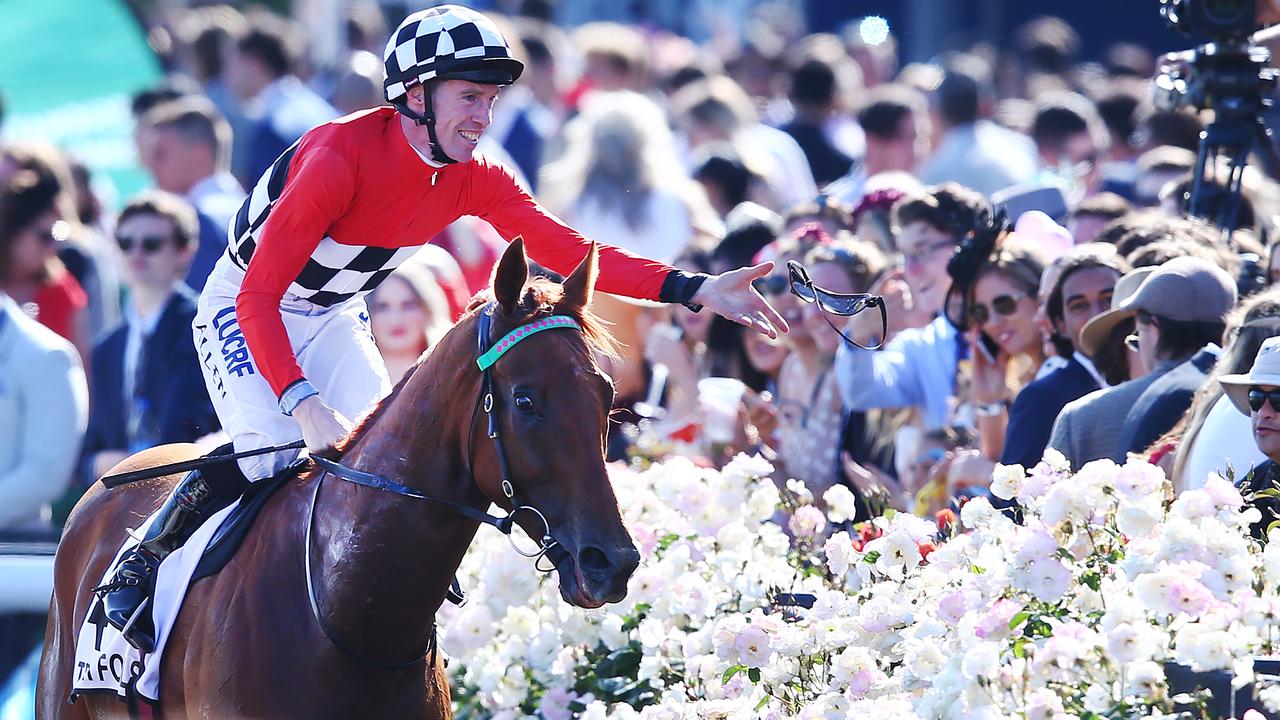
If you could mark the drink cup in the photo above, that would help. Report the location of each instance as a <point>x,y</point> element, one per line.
<point>720,398</point>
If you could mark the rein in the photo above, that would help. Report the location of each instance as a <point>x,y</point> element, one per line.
<point>488,354</point>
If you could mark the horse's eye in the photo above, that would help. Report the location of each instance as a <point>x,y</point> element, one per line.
<point>524,404</point>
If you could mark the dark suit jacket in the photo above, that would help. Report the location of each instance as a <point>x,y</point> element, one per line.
<point>1037,406</point>
<point>173,385</point>
<point>1163,404</point>
<point>826,161</point>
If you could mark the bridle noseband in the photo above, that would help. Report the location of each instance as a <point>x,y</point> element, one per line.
<point>488,354</point>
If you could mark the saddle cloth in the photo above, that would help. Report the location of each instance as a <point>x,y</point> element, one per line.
<point>105,661</point>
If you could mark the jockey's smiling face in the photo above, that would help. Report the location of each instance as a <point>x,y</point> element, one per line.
<point>463,111</point>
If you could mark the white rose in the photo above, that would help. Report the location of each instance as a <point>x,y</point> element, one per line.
<point>1136,520</point>
<point>611,632</point>
<point>1006,481</point>
<point>842,506</point>
<point>753,646</point>
<point>839,552</point>
<point>470,629</point>
<point>923,658</point>
<point>981,661</point>
<point>725,637</point>
<point>1048,579</point>
<point>898,553</point>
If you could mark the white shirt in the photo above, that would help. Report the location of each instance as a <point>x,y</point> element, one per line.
<point>219,196</point>
<point>1225,440</point>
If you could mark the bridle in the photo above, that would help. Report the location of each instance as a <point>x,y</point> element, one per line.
<point>488,354</point>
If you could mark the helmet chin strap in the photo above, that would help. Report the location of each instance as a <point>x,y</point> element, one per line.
<point>426,119</point>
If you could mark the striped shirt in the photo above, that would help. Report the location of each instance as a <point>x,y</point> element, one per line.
<point>350,201</point>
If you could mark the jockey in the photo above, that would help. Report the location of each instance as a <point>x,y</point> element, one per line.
<point>282,329</point>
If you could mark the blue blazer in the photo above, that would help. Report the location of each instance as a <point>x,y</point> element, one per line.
<point>173,385</point>
<point>1037,406</point>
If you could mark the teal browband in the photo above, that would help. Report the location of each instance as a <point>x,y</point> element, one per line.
<point>509,340</point>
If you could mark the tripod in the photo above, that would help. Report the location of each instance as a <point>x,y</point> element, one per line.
<point>1234,80</point>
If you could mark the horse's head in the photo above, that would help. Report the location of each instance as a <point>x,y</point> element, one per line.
<point>552,404</point>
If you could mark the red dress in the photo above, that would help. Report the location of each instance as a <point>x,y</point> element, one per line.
<point>57,302</point>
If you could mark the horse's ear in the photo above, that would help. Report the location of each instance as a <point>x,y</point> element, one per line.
<point>511,275</point>
<point>581,283</point>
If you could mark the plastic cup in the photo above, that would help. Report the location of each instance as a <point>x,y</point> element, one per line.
<point>720,397</point>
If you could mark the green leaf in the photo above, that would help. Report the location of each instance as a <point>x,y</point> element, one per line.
<point>1018,619</point>
<point>871,557</point>
<point>1020,648</point>
<point>754,675</point>
<point>731,671</point>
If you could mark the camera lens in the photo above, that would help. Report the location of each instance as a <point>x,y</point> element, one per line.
<point>1229,13</point>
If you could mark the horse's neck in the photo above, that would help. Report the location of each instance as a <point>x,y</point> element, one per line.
<point>384,561</point>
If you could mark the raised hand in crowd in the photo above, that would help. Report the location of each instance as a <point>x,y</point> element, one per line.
<point>989,391</point>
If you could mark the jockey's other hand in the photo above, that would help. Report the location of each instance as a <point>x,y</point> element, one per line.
<point>731,295</point>
<point>322,426</point>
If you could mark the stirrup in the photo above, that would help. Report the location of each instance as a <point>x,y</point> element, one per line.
<point>133,619</point>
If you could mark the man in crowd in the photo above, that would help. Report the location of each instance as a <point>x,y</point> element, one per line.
<point>1070,139</point>
<point>814,91</point>
<point>972,150</point>
<point>895,121</point>
<point>188,151</point>
<point>280,107</point>
<point>147,386</point>
<point>1178,309</point>
<point>1257,394</point>
<point>917,368</point>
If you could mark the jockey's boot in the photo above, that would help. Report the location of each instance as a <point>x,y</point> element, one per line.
<point>192,502</point>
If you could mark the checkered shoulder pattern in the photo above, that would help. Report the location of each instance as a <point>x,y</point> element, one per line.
<point>334,272</point>
<point>433,41</point>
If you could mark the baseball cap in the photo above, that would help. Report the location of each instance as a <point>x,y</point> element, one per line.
<point>1185,289</point>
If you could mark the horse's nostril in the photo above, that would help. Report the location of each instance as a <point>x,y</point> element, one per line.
<point>593,559</point>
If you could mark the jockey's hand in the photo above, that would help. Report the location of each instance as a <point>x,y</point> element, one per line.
<point>322,426</point>
<point>731,295</point>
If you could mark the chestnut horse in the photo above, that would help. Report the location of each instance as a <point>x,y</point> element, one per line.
<point>246,643</point>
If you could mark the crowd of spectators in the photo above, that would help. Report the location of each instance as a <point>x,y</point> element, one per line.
<point>1100,325</point>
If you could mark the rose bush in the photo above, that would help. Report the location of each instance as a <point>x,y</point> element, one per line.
<point>1072,613</point>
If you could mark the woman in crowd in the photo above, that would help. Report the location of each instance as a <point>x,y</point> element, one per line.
<point>408,313</point>
<point>30,272</point>
<point>680,346</point>
<point>1215,437</point>
<point>810,414</point>
<point>621,182</point>
<point>1083,288</point>
<point>1005,345</point>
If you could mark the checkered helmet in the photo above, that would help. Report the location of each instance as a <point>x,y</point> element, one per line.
<point>448,42</point>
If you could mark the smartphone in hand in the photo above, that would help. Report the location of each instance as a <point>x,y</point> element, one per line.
<point>988,347</point>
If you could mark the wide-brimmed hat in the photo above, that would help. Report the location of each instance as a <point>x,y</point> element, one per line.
<point>1265,371</point>
<point>1186,289</point>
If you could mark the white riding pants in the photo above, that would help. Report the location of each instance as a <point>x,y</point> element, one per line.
<point>333,345</point>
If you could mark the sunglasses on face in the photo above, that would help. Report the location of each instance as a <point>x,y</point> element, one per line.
<point>150,244</point>
<point>771,285</point>
<point>1258,396</point>
<point>834,303</point>
<point>1004,306</point>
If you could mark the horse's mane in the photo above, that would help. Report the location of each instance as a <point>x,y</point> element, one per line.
<point>541,297</point>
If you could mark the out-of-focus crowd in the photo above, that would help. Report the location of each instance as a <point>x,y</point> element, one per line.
<point>1098,326</point>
